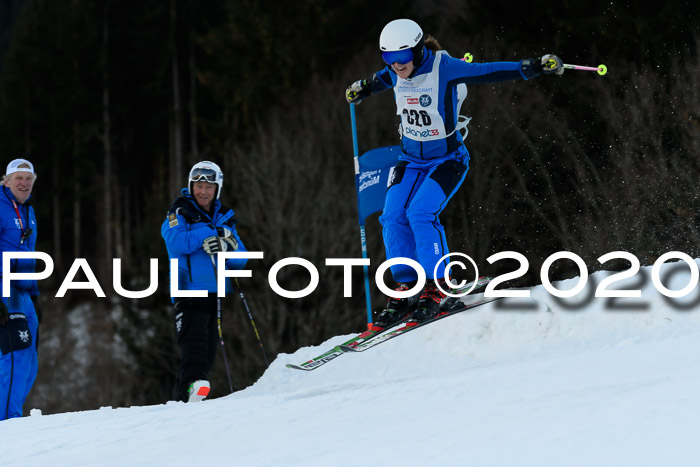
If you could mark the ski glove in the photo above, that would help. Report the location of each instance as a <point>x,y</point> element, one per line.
<point>231,244</point>
<point>4,315</point>
<point>212,245</point>
<point>551,64</point>
<point>357,91</point>
<point>224,242</point>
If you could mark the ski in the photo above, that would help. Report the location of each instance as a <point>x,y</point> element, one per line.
<point>335,351</point>
<point>365,336</point>
<point>411,325</point>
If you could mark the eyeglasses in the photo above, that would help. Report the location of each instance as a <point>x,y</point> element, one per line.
<point>399,56</point>
<point>207,175</point>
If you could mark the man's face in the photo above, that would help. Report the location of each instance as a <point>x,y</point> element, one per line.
<point>204,194</point>
<point>21,184</point>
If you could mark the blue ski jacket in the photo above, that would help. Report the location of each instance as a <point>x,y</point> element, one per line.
<point>18,338</point>
<point>428,101</point>
<point>15,221</point>
<point>184,229</point>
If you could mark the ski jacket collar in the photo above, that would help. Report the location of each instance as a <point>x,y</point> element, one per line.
<point>426,65</point>
<point>11,197</point>
<point>215,207</point>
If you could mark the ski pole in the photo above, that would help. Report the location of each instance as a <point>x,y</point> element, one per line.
<point>221,334</point>
<point>363,236</point>
<point>601,69</point>
<point>252,322</point>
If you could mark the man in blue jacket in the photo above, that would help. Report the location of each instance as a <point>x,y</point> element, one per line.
<point>197,227</point>
<point>429,87</point>
<point>19,313</point>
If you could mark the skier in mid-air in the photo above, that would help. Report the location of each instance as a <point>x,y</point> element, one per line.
<point>429,87</point>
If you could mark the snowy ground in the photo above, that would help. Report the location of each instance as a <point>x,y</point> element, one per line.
<point>582,383</point>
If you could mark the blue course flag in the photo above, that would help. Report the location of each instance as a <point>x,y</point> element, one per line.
<point>375,168</point>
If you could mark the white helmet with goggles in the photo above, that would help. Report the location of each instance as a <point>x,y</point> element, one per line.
<point>401,41</point>
<point>206,171</point>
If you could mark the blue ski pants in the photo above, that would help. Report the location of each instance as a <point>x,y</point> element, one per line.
<point>18,362</point>
<point>416,196</point>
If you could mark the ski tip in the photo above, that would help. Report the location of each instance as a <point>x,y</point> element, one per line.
<point>297,367</point>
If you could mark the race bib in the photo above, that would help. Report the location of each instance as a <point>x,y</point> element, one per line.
<point>417,105</point>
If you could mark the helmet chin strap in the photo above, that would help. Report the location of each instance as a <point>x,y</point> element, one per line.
<point>419,54</point>
<point>417,62</point>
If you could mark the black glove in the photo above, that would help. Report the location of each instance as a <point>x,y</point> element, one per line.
<point>37,308</point>
<point>212,245</point>
<point>230,242</point>
<point>551,64</point>
<point>4,315</point>
<point>357,91</point>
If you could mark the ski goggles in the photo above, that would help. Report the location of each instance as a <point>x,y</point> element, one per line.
<point>206,175</point>
<point>399,56</point>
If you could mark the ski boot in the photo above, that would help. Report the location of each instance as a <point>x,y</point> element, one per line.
<point>198,390</point>
<point>431,298</point>
<point>396,308</point>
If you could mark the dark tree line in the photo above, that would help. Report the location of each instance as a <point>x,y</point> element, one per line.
<point>114,100</point>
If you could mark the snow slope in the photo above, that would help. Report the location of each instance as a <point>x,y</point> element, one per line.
<point>577,383</point>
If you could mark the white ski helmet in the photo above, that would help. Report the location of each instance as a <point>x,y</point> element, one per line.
<point>208,172</point>
<point>401,36</point>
